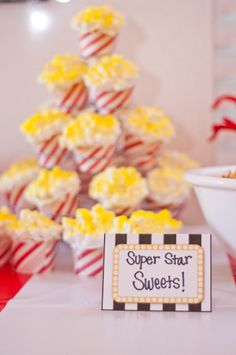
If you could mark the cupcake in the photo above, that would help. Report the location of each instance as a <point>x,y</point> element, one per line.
<point>176,159</point>
<point>63,75</point>
<point>6,220</point>
<point>43,130</point>
<point>85,235</point>
<point>120,190</point>
<point>97,28</point>
<point>55,192</point>
<point>167,189</point>
<point>14,181</point>
<point>146,129</point>
<point>111,83</point>
<point>146,222</point>
<point>93,139</point>
<point>34,242</point>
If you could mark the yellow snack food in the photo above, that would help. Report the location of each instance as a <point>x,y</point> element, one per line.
<point>35,225</point>
<point>122,186</point>
<point>102,18</point>
<point>176,160</point>
<point>149,123</point>
<point>23,171</point>
<point>167,186</point>
<point>90,129</point>
<point>52,184</point>
<point>6,220</point>
<point>146,222</point>
<point>113,71</point>
<point>88,223</point>
<point>45,124</point>
<point>63,69</point>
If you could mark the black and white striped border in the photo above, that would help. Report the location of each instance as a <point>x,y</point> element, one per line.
<point>111,241</point>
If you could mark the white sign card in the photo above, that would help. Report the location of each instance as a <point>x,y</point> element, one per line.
<point>148,272</point>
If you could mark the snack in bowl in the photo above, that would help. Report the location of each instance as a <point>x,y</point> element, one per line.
<point>120,190</point>
<point>63,75</point>
<point>97,28</point>
<point>85,235</point>
<point>55,192</point>
<point>146,129</point>
<point>217,197</point>
<point>34,239</point>
<point>6,220</point>
<point>93,139</point>
<point>43,130</point>
<point>14,181</point>
<point>111,83</point>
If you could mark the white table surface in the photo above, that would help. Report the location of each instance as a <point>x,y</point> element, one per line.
<point>60,314</point>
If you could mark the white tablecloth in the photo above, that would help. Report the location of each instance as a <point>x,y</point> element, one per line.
<point>59,314</point>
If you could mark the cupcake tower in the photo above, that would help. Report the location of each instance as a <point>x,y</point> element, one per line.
<point>92,147</point>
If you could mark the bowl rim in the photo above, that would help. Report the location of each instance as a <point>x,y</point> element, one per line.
<point>211,176</point>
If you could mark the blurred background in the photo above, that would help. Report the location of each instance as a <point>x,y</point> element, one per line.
<point>185,50</point>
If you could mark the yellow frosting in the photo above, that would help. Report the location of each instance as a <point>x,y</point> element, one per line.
<point>19,169</point>
<point>6,218</point>
<point>177,160</point>
<point>35,224</point>
<point>92,222</point>
<point>44,121</point>
<point>90,128</point>
<point>167,186</point>
<point>63,69</point>
<point>149,123</point>
<point>111,69</point>
<point>50,181</point>
<point>146,222</point>
<point>101,17</point>
<point>115,181</point>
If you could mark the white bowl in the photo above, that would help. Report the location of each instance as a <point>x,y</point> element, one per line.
<point>217,198</point>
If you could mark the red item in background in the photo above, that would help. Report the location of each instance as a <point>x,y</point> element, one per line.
<point>232,261</point>
<point>227,123</point>
<point>10,284</point>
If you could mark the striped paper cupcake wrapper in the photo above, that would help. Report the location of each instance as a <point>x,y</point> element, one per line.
<point>5,250</point>
<point>88,262</point>
<point>94,160</point>
<point>63,208</point>
<point>50,153</point>
<point>15,199</point>
<point>95,44</point>
<point>72,100</point>
<point>109,102</point>
<point>33,257</point>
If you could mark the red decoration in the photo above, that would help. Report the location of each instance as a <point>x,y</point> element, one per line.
<point>227,123</point>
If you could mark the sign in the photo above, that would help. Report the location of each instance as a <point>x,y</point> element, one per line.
<point>145,272</point>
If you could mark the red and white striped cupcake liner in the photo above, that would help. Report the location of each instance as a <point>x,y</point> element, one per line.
<point>176,210</point>
<point>88,262</point>
<point>95,44</point>
<point>33,257</point>
<point>50,153</point>
<point>63,208</point>
<point>94,160</point>
<point>15,199</point>
<point>140,154</point>
<point>72,100</point>
<point>5,250</point>
<point>120,211</point>
<point>109,102</point>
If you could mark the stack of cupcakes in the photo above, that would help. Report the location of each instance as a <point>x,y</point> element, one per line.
<point>92,147</point>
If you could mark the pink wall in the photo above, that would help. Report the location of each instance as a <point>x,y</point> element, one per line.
<point>171,41</point>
